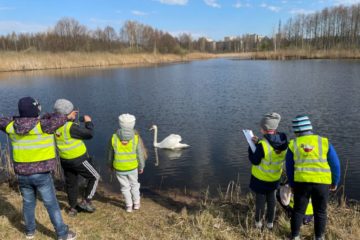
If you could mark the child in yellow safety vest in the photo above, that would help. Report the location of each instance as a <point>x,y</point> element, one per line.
<point>267,163</point>
<point>127,157</point>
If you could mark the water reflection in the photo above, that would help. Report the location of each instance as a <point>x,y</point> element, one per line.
<point>167,154</point>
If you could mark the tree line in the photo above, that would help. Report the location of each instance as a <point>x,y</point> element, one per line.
<point>69,35</point>
<point>336,27</point>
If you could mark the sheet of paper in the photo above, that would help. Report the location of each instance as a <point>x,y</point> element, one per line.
<point>248,135</point>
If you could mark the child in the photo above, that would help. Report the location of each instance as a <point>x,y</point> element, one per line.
<point>267,163</point>
<point>127,156</point>
<point>74,157</point>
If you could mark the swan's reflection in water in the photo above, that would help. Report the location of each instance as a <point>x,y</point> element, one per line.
<point>167,154</point>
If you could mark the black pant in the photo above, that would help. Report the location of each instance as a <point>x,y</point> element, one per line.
<point>71,173</point>
<point>270,200</point>
<point>319,194</point>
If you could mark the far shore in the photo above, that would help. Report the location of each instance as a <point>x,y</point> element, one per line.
<point>29,61</point>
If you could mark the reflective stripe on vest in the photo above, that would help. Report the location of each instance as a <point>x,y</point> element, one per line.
<point>309,209</point>
<point>310,158</point>
<point>270,167</point>
<point>69,148</point>
<point>125,157</point>
<point>34,146</point>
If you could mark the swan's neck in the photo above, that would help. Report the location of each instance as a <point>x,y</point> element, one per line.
<point>155,137</point>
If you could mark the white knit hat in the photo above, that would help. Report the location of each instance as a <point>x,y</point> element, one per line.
<point>127,121</point>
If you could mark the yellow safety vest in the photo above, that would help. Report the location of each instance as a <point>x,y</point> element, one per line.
<point>310,158</point>
<point>125,157</point>
<point>69,148</point>
<point>34,146</point>
<point>270,167</point>
<point>309,209</point>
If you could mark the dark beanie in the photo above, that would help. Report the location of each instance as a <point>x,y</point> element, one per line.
<point>29,107</point>
<point>301,123</point>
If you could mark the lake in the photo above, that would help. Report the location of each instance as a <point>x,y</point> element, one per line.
<point>208,103</point>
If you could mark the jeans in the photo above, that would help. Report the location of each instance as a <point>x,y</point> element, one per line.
<point>319,194</point>
<point>130,188</point>
<point>270,200</point>
<point>29,186</point>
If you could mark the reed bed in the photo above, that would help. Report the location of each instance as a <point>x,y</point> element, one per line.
<point>25,61</point>
<point>304,54</point>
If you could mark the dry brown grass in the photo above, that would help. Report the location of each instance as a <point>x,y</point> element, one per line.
<point>25,61</point>
<point>302,54</point>
<point>14,61</point>
<point>169,215</point>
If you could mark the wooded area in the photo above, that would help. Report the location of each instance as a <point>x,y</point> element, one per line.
<point>331,28</point>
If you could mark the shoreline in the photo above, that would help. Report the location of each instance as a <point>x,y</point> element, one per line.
<point>32,61</point>
<point>168,215</point>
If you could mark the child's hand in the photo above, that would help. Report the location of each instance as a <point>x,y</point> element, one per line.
<point>141,171</point>
<point>255,139</point>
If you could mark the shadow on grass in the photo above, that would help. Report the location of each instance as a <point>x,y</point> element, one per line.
<point>172,201</point>
<point>15,217</point>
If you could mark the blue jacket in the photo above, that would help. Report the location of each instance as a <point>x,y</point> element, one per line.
<point>332,159</point>
<point>279,142</point>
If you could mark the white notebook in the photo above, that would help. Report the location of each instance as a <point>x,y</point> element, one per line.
<point>248,135</point>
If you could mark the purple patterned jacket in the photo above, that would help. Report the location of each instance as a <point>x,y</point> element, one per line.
<point>49,123</point>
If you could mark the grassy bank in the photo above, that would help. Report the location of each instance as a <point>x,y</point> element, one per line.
<point>14,61</point>
<point>25,61</point>
<point>167,215</point>
<point>302,54</point>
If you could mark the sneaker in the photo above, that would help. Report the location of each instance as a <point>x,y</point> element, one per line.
<point>86,206</point>
<point>72,212</point>
<point>270,225</point>
<point>129,209</point>
<point>137,206</point>
<point>258,224</point>
<point>69,236</point>
<point>30,235</point>
<point>295,238</point>
<point>319,238</point>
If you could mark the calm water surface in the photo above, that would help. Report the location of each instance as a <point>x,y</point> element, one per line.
<point>207,103</point>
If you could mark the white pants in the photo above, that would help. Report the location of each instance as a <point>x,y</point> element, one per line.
<point>130,188</point>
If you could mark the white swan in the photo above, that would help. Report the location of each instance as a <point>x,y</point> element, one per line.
<point>170,142</point>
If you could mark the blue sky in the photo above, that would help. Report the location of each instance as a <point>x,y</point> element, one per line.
<point>211,18</point>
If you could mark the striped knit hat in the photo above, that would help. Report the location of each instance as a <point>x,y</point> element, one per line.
<point>301,123</point>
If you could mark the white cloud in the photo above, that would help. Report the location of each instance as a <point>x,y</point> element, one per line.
<point>239,4</point>
<point>174,2</point>
<point>301,11</point>
<point>139,13</point>
<point>212,3</point>
<point>21,27</point>
<point>270,7</point>
<point>346,2</point>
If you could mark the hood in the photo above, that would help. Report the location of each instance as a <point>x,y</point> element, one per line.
<point>278,141</point>
<point>25,124</point>
<point>125,134</point>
